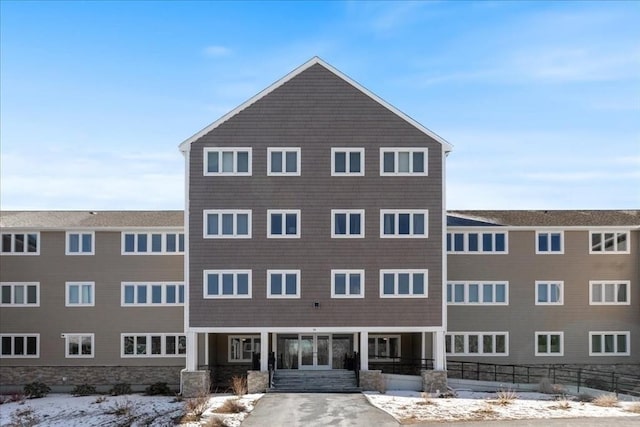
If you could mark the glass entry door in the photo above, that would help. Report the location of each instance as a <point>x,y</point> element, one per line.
<point>315,351</point>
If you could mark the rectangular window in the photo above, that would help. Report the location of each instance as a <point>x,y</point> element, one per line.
<point>227,284</point>
<point>609,242</point>
<point>550,242</point>
<point>151,294</point>
<point>79,345</point>
<point>79,294</point>
<point>384,347</point>
<point>477,242</point>
<point>227,161</point>
<point>152,243</point>
<point>403,283</point>
<point>616,343</point>
<point>396,223</point>
<point>403,161</point>
<point>80,243</point>
<point>20,345</point>
<point>347,161</point>
<point>27,243</point>
<point>347,283</point>
<point>347,223</point>
<point>466,293</point>
<point>243,347</point>
<point>227,224</point>
<point>20,294</point>
<point>283,224</point>
<point>153,345</point>
<point>283,161</point>
<point>549,343</point>
<point>609,292</point>
<point>283,283</point>
<point>549,293</point>
<point>477,343</point>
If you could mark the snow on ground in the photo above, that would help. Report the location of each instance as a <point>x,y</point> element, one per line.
<point>410,406</point>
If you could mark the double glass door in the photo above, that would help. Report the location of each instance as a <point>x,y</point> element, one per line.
<point>315,351</point>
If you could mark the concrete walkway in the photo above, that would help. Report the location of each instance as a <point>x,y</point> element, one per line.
<point>315,409</point>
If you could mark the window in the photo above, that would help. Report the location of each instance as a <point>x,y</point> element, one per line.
<point>152,243</point>
<point>21,243</point>
<point>403,283</point>
<point>477,243</point>
<point>347,161</point>
<point>227,224</point>
<point>347,283</point>
<point>403,223</point>
<point>283,283</point>
<point>477,343</point>
<point>283,224</point>
<point>469,293</point>
<point>549,343</point>
<point>79,294</point>
<point>403,161</point>
<point>550,242</point>
<point>80,243</point>
<point>347,223</point>
<point>226,161</point>
<point>609,242</point>
<point>615,343</point>
<point>79,345</point>
<point>283,161</point>
<point>549,293</point>
<point>383,347</point>
<point>20,345</point>
<point>153,345</point>
<point>155,293</point>
<point>20,294</point>
<point>242,348</point>
<point>609,292</point>
<point>227,284</point>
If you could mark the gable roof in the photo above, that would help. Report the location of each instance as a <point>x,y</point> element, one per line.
<point>64,220</point>
<point>546,218</point>
<point>185,145</point>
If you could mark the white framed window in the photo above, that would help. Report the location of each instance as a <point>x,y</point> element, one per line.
<point>283,161</point>
<point>477,343</point>
<point>227,161</point>
<point>79,345</point>
<point>404,283</point>
<point>79,294</point>
<point>152,243</point>
<point>549,343</point>
<point>347,161</point>
<point>283,223</point>
<point>384,347</point>
<point>477,242</point>
<point>396,223</point>
<point>227,284</point>
<point>609,343</point>
<point>80,243</point>
<point>403,161</point>
<point>227,224</point>
<point>242,348</point>
<point>152,294</point>
<point>609,292</point>
<point>478,293</point>
<point>549,292</point>
<point>609,242</point>
<point>134,344</point>
<point>347,223</point>
<point>549,242</point>
<point>20,294</point>
<point>19,346</point>
<point>26,243</point>
<point>347,283</point>
<point>283,283</point>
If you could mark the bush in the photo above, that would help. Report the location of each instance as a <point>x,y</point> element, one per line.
<point>606,400</point>
<point>120,388</point>
<point>36,390</point>
<point>196,407</point>
<point>505,397</point>
<point>158,389</point>
<point>84,390</point>
<point>25,417</point>
<point>231,406</point>
<point>239,385</point>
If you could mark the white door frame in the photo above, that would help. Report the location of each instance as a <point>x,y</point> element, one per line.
<point>315,351</point>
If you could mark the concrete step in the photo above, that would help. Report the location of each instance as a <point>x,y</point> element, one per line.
<point>326,381</point>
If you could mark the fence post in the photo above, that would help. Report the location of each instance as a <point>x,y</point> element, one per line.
<point>579,378</point>
<point>513,374</point>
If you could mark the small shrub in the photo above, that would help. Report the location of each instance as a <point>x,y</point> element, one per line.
<point>231,406</point>
<point>100,399</point>
<point>36,390</point>
<point>635,408</point>
<point>505,397</point>
<point>584,397</point>
<point>158,389</point>
<point>120,389</point>
<point>215,422</point>
<point>83,390</point>
<point>426,399</point>
<point>197,406</point>
<point>122,408</point>
<point>562,403</point>
<point>606,401</point>
<point>239,385</point>
<point>25,417</point>
<point>485,412</point>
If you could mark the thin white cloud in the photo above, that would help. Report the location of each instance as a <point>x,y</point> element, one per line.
<point>216,51</point>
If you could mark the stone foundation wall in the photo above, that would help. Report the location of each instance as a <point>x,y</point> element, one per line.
<point>194,383</point>
<point>372,380</point>
<point>257,381</point>
<point>434,382</point>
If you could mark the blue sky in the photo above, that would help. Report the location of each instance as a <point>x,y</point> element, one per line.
<point>541,100</point>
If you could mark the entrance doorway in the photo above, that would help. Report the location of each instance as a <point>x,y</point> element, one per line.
<point>304,351</point>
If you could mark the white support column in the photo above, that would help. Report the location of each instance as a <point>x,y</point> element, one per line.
<point>192,351</point>
<point>364,352</point>
<point>423,354</point>
<point>439,361</point>
<point>264,351</point>
<point>274,348</point>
